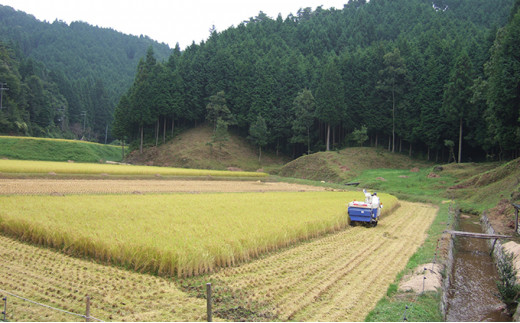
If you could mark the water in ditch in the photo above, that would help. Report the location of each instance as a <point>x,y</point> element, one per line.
<point>473,294</point>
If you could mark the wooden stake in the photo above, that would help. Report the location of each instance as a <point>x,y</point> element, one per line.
<point>208,302</point>
<point>87,312</point>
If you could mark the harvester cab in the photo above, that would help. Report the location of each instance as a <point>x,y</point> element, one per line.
<point>367,212</point>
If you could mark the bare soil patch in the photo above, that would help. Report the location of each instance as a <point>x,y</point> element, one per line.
<point>424,278</point>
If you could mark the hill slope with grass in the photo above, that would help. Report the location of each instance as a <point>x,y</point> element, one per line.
<point>487,188</point>
<point>29,148</point>
<point>344,165</point>
<point>190,149</point>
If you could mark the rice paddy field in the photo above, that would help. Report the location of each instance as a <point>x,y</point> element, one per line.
<point>143,249</point>
<point>50,167</point>
<point>175,234</point>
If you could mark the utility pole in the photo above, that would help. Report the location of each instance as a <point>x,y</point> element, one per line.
<point>2,89</point>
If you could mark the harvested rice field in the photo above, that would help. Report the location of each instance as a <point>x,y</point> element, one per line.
<point>116,186</point>
<point>60,281</point>
<point>339,277</point>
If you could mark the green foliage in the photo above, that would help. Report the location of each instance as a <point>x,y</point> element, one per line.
<point>220,135</point>
<point>507,286</point>
<point>57,150</point>
<point>360,136</point>
<point>503,81</point>
<point>64,80</point>
<point>383,64</point>
<point>259,134</point>
<point>457,96</point>
<point>217,110</point>
<point>304,113</point>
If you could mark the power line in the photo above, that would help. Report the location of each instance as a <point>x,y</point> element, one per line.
<point>50,307</point>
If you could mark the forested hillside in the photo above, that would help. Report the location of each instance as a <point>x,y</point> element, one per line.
<point>64,80</point>
<point>411,75</point>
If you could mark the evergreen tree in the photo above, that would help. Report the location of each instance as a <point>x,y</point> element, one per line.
<point>456,103</point>
<point>259,134</point>
<point>217,110</point>
<point>304,113</point>
<point>393,83</point>
<point>503,84</point>
<point>330,97</point>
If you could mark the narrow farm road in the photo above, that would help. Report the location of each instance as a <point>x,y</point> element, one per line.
<point>336,278</point>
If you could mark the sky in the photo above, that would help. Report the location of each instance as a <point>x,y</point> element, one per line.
<point>166,21</point>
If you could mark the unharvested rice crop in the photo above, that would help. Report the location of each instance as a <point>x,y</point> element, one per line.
<point>182,234</point>
<point>113,186</point>
<point>46,167</point>
<point>339,277</point>
<point>60,281</point>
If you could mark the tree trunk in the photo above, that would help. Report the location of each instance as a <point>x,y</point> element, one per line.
<point>376,139</point>
<point>393,120</point>
<point>460,141</point>
<point>410,152</point>
<point>142,137</point>
<point>400,145</point>
<point>333,137</point>
<point>308,142</point>
<point>164,131</point>
<point>389,143</point>
<point>259,153</point>
<point>328,137</point>
<point>157,126</point>
<point>173,124</point>
<point>123,149</point>
<point>428,153</point>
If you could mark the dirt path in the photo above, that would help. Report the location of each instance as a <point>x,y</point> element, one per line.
<point>114,186</point>
<point>339,277</point>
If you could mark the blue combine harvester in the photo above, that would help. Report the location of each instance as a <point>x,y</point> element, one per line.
<point>366,212</point>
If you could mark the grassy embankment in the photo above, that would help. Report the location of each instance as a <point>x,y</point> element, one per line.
<point>190,149</point>
<point>30,148</point>
<point>471,187</point>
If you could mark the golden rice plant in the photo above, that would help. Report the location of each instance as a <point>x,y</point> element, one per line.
<point>175,234</point>
<point>45,167</point>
